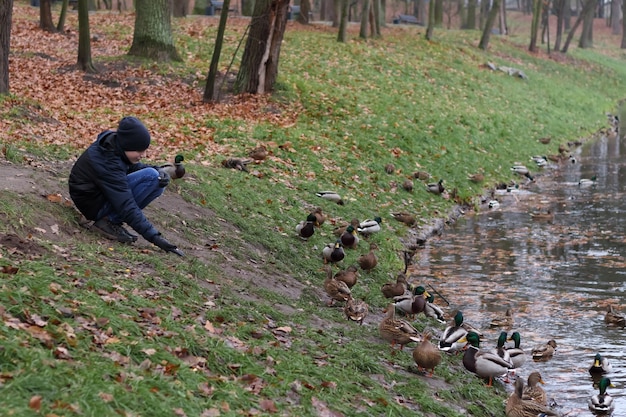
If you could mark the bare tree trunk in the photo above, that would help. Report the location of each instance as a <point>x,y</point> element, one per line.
<point>343,21</point>
<point>45,16</point>
<point>84,38</point>
<point>616,28</point>
<point>336,12</point>
<point>431,20</point>
<point>209,90</point>
<point>153,31</point>
<point>623,45</point>
<point>586,35</point>
<point>503,25</point>
<point>305,9</point>
<point>471,14</point>
<point>438,13</point>
<point>567,16</point>
<point>545,18</point>
<point>376,12</point>
<point>180,8</point>
<point>534,27</point>
<point>62,16</point>
<point>491,19</point>
<point>560,15</point>
<point>364,18</point>
<point>259,64</point>
<point>6,12</point>
<point>587,7</point>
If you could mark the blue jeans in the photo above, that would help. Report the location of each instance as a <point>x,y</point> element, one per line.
<point>144,185</point>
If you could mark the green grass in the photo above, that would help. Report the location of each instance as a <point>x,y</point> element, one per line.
<point>126,330</point>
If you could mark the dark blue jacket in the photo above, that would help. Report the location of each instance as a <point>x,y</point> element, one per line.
<point>99,175</point>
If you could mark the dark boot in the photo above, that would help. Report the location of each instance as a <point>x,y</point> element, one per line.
<point>113,231</point>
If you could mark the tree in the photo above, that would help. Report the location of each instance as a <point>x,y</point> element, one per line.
<point>153,31</point>
<point>491,19</point>
<point>180,8</point>
<point>305,9</point>
<point>84,38</point>
<point>559,5</point>
<point>586,35</point>
<point>209,90</point>
<point>45,16</point>
<point>431,20</point>
<point>259,64</point>
<point>343,21</point>
<point>534,26</point>
<point>471,14</point>
<point>62,16</point>
<point>588,6</point>
<point>365,12</point>
<point>623,45</point>
<point>615,13</point>
<point>6,12</point>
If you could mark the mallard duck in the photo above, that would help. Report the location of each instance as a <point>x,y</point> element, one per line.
<point>587,182</point>
<point>518,406</point>
<point>333,252</point>
<point>484,363</point>
<point>546,216</point>
<point>426,355</point>
<point>356,310</point>
<point>175,170</point>
<point>505,320</point>
<point>493,204</point>
<point>259,153</point>
<point>350,275</point>
<point>476,178</point>
<point>236,163</point>
<point>602,403</point>
<point>336,290</point>
<point>430,309</point>
<point>601,365</point>
<point>395,289</point>
<point>330,196</point>
<point>613,318</point>
<point>320,217</point>
<point>421,175</point>
<point>306,228</point>
<point>410,306</point>
<point>349,238</point>
<point>397,331</point>
<point>338,231</point>
<point>517,354</point>
<point>545,351</point>
<point>452,338</point>
<point>404,217</point>
<point>368,261</point>
<point>541,161</point>
<point>390,168</point>
<point>533,391</point>
<point>407,185</point>
<point>523,171</point>
<point>435,187</point>
<point>367,227</point>
<point>501,350</point>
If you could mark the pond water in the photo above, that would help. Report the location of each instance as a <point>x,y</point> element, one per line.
<point>557,276</point>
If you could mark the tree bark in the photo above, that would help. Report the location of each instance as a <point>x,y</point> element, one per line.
<point>259,64</point>
<point>616,28</point>
<point>45,16</point>
<point>343,21</point>
<point>180,8</point>
<point>62,16</point>
<point>84,38</point>
<point>471,14</point>
<point>209,90</point>
<point>587,7</point>
<point>6,12</point>
<point>305,8</point>
<point>364,19</point>
<point>431,20</point>
<point>534,27</point>
<point>153,31</point>
<point>502,21</point>
<point>491,19</point>
<point>623,45</point>
<point>438,13</point>
<point>586,35</point>
<point>560,17</point>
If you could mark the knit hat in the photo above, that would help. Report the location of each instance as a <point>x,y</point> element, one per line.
<point>132,135</point>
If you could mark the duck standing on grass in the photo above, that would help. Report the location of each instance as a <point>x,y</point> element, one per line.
<point>369,226</point>
<point>306,228</point>
<point>330,196</point>
<point>175,170</point>
<point>397,331</point>
<point>350,275</point>
<point>356,310</point>
<point>430,309</point>
<point>336,290</point>
<point>349,238</point>
<point>369,261</point>
<point>484,363</point>
<point>426,355</point>
<point>333,252</point>
<point>435,187</point>
<point>395,289</point>
<point>338,231</point>
<point>453,337</point>
<point>518,406</point>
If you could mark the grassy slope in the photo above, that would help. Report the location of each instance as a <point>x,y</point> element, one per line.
<point>137,342</point>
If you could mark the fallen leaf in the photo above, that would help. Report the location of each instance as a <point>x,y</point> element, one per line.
<point>35,402</point>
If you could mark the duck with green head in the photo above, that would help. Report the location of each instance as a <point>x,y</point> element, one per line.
<point>602,403</point>
<point>370,226</point>
<point>517,354</point>
<point>486,364</point>
<point>453,337</point>
<point>349,238</point>
<point>333,252</point>
<point>600,365</point>
<point>175,170</point>
<point>306,228</point>
<point>430,309</point>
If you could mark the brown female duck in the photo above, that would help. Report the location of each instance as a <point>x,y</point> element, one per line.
<point>350,275</point>
<point>368,261</point>
<point>395,289</point>
<point>517,406</point>
<point>397,331</point>
<point>356,310</point>
<point>426,355</point>
<point>336,290</point>
<point>533,391</point>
